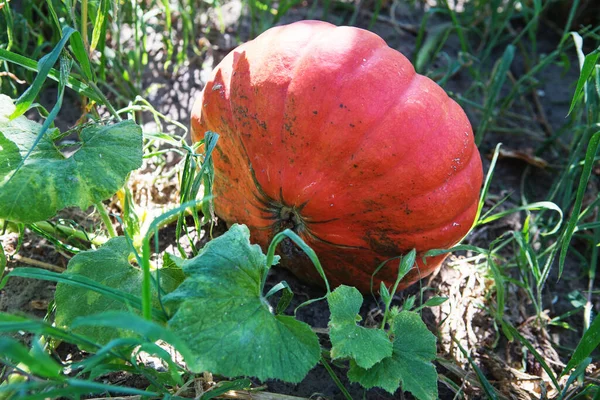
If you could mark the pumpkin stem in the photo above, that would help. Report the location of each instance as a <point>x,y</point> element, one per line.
<point>289,218</point>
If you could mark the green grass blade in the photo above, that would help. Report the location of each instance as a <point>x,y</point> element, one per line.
<point>464,44</point>
<point>286,296</point>
<point>107,353</point>
<point>124,320</point>
<point>434,43</point>
<point>588,343</point>
<point>65,69</point>
<point>80,281</point>
<point>210,140</point>
<point>541,205</point>
<point>498,78</point>
<point>53,74</point>
<point>583,181</point>
<point>300,243</point>
<point>2,259</point>
<point>588,64</point>
<point>16,323</point>
<point>462,247</point>
<point>100,24</point>
<point>527,255</point>
<point>487,386</point>
<point>579,371</point>
<point>71,387</point>
<point>39,364</point>
<point>146,300</point>
<point>54,16</point>
<point>9,24</point>
<point>167,39</point>
<point>45,65</point>
<point>486,185</point>
<point>507,326</point>
<point>79,51</point>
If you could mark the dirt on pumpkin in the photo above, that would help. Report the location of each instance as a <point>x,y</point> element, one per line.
<point>463,322</point>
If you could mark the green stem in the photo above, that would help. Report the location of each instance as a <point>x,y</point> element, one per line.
<point>68,231</point>
<point>146,281</point>
<point>406,264</point>
<point>389,302</point>
<point>84,20</point>
<point>12,379</point>
<point>336,380</point>
<point>2,260</point>
<point>106,219</point>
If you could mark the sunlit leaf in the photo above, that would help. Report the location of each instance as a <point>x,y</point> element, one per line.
<point>348,340</point>
<point>49,181</point>
<point>109,265</point>
<point>410,364</point>
<point>227,322</point>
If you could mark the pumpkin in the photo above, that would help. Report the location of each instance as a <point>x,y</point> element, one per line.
<point>329,132</point>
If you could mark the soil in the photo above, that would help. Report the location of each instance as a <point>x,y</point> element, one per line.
<point>464,318</point>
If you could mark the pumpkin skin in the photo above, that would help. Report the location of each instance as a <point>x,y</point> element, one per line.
<point>328,131</point>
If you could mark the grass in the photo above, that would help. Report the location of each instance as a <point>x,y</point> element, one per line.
<point>498,52</point>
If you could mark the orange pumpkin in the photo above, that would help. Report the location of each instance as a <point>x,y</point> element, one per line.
<point>328,131</point>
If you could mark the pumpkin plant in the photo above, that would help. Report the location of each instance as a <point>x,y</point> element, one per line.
<point>329,132</point>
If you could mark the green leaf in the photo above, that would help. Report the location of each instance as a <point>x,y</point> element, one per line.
<point>587,65</point>
<point>286,296</point>
<point>171,273</point>
<point>589,342</point>
<point>71,388</point>
<point>499,74</point>
<point>410,364</point>
<point>151,331</point>
<point>510,330</point>
<point>487,386</point>
<point>100,24</point>
<point>109,265</point>
<point>590,155</point>
<point>384,293</point>
<point>79,52</point>
<point>53,74</point>
<point>17,323</point>
<point>45,65</point>
<point>2,259</point>
<point>48,181</point>
<point>365,346</point>
<point>432,302</point>
<point>224,318</point>
<point>436,37</point>
<point>38,363</point>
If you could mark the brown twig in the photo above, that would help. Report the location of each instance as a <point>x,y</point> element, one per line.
<point>12,76</point>
<point>37,263</point>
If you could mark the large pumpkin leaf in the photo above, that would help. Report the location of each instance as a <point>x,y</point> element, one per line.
<point>224,318</point>
<point>109,265</point>
<point>410,364</point>
<point>348,340</point>
<point>48,181</point>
